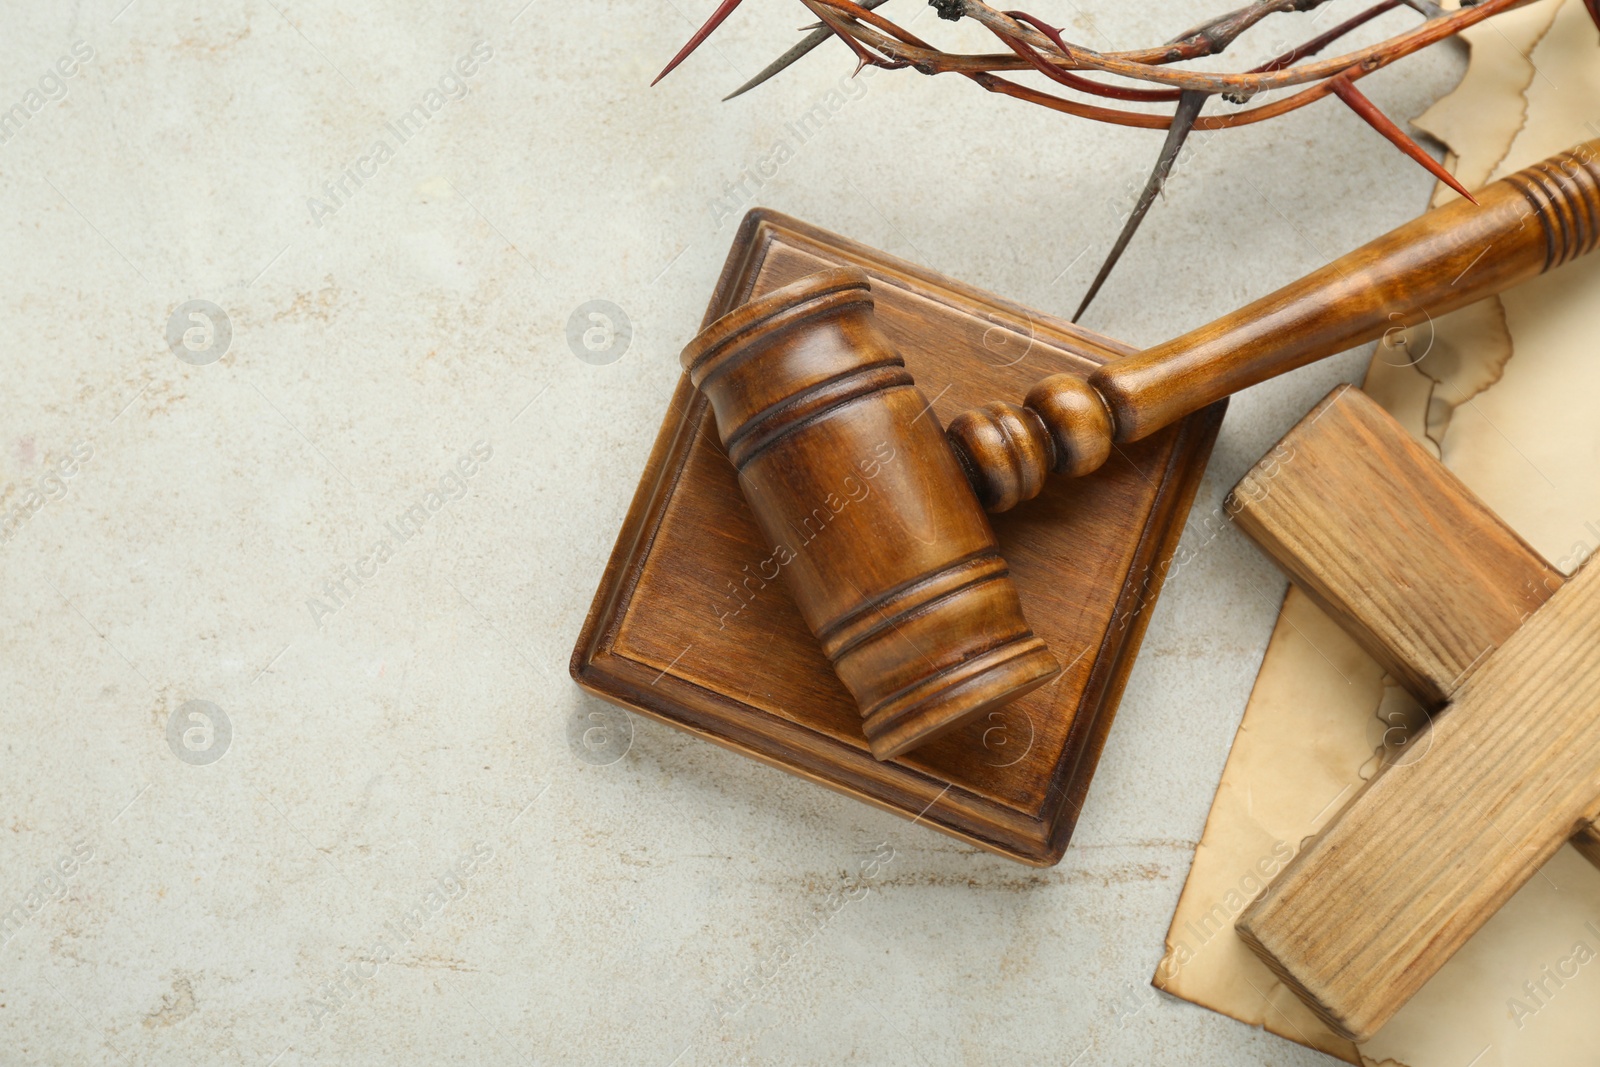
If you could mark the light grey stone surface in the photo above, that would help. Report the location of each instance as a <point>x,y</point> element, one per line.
<point>223,911</point>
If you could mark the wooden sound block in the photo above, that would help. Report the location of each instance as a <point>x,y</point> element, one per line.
<point>692,623</point>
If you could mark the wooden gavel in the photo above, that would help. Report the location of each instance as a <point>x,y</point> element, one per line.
<point>877,516</point>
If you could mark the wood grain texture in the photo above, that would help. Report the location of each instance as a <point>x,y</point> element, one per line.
<point>1523,224</point>
<point>879,538</point>
<point>1432,846</point>
<point>691,625</point>
<point>1395,548</point>
<point>1587,842</point>
<point>1391,544</point>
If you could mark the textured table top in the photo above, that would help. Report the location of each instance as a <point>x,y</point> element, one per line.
<point>338,335</point>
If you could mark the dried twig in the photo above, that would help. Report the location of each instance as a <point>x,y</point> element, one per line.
<point>1189,105</point>
<point>816,36</point>
<point>1033,46</point>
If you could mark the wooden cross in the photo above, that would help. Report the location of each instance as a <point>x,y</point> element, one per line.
<point>1464,613</point>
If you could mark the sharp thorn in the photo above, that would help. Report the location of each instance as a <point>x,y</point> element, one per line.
<point>1344,88</point>
<point>1183,119</point>
<point>819,32</point>
<point>723,10</point>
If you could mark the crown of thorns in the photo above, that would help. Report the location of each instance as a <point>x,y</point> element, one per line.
<point>1032,45</point>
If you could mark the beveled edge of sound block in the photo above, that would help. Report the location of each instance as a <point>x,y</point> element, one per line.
<point>1036,840</point>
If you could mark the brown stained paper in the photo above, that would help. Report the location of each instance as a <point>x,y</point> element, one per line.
<point>1422,375</point>
<point>1504,392</point>
<point>1299,751</point>
<point>1529,445</point>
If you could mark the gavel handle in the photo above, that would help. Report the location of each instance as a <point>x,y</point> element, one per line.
<point>1523,225</point>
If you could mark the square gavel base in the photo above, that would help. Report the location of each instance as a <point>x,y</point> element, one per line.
<point>690,626</point>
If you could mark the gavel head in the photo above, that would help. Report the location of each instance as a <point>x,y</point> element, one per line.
<point>883,543</point>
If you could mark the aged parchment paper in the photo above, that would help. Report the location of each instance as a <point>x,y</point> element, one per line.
<point>1504,392</point>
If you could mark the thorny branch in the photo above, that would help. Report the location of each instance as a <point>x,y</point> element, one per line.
<point>1033,46</point>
